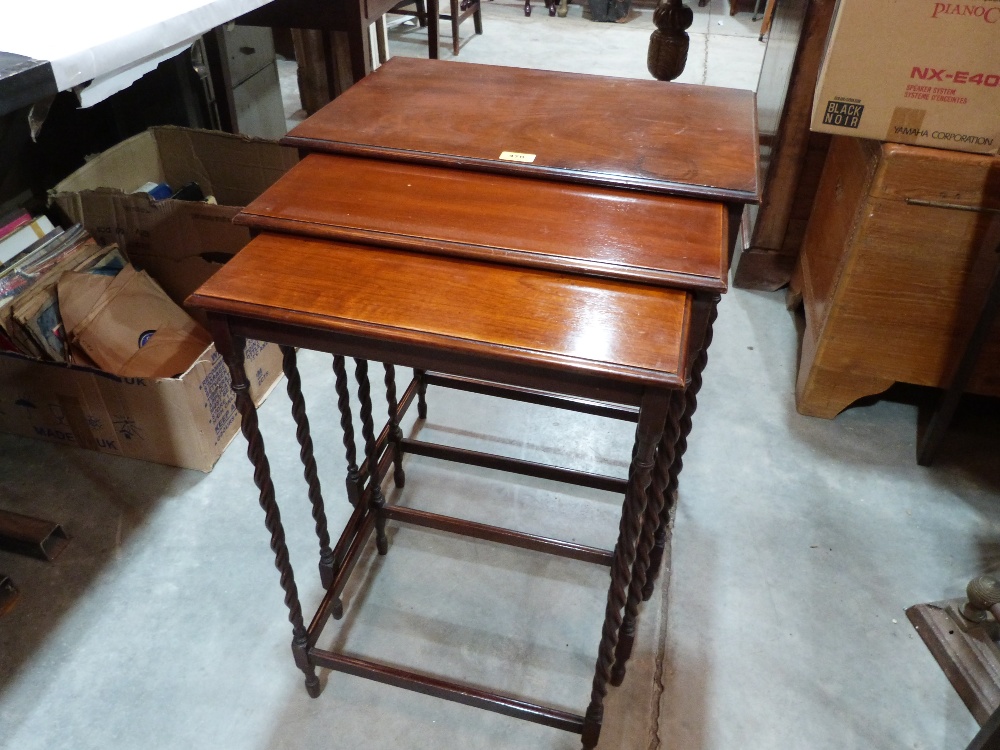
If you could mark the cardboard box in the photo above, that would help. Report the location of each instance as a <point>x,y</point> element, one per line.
<point>180,243</point>
<point>185,421</point>
<point>921,72</point>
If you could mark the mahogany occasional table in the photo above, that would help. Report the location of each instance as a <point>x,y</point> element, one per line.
<point>629,136</point>
<point>605,340</point>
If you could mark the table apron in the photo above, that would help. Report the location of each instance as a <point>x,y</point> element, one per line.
<point>596,387</point>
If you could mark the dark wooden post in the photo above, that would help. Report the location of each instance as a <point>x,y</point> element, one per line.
<point>705,313</point>
<point>652,417</point>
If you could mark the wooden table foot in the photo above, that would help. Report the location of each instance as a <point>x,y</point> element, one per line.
<point>421,393</point>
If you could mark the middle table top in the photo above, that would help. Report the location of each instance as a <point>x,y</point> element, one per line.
<point>595,231</point>
<point>679,139</point>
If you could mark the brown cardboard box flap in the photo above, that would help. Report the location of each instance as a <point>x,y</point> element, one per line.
<point>135,330</point>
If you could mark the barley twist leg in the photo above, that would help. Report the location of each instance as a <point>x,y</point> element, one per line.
<point>395,433</point>
<point>302,434</point>
<point>648,431</point>
<point>233,352</point>
<point>654,506</point>
<point>670,493</point>
<point>377,501</point>
<point>347,427</point>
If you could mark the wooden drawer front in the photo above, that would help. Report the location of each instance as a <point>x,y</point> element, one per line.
<point>249,49</point>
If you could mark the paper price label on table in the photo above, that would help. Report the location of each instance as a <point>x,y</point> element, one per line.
<point>516,156</point>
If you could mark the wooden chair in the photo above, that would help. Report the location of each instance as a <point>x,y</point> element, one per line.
<point>420,12</point>
<point>551,5</point>
<point>459,11</point>
<point>400,8</point>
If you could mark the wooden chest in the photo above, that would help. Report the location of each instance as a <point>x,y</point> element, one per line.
<point>893,271</point>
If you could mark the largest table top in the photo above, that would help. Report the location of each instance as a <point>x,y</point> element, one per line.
<point>316,293</point>
<point>678,139</point>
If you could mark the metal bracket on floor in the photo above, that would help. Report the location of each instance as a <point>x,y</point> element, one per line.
<point>31,536</point>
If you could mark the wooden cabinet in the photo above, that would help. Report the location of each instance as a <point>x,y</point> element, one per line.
<point>893,271</point>
<point>245,80</point>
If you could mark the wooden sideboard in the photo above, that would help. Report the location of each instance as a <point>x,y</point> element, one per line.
<point>893,271</point>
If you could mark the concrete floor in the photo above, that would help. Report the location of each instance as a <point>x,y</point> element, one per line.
<point>798,544</point>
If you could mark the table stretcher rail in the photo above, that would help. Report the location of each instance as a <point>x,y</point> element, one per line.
<point>453,691</point>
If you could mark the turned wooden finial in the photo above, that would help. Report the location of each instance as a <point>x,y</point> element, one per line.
<point>984,596</point>
<point>668,45</point>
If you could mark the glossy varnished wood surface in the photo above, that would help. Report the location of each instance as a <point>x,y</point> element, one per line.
<point>670,138</point>
<point>655,239</point>
<point>613,330</point>
<point>891,286</point>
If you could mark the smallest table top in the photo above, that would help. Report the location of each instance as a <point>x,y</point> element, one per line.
<point>654,239</point>
<point>346,299</point>
<point>679,139</point>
